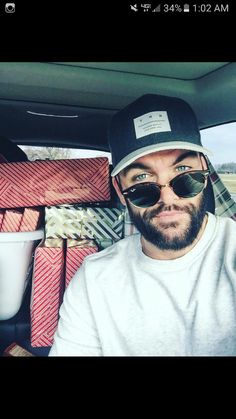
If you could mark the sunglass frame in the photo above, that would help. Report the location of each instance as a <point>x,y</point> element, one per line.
<point>133,188</point>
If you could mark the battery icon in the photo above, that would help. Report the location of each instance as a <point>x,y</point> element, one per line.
<point>186,7</point>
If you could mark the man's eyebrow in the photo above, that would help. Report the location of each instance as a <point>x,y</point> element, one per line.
<point>185,156</point>
<point>145,167</point>
<point>135,166</point>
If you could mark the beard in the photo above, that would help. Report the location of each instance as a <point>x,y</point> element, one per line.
<point>159,236</point>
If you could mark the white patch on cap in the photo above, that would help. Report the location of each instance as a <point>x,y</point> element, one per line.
<point>150,123</point>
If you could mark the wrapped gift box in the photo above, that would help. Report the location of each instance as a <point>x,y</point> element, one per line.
<point>16,350</point>
<point>31,219</point>
<point>100,224</point>
<point>76,251</point>
<point>2,212</point>
<point>22,219</point>
<point>11,220</point>
<point>49,182</point>
<point>47,291</point>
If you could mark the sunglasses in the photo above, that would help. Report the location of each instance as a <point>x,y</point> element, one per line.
<point>185,185</point>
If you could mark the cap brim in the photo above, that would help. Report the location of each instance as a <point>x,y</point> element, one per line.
<point>171,145</point>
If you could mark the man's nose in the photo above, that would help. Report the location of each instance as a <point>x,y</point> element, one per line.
<point>167,195</point>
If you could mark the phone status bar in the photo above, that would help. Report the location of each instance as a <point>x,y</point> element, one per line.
<point>206,8</point>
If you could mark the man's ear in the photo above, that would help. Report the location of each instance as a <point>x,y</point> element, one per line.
<point>116,186</point>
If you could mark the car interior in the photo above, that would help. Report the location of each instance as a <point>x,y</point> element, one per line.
<point>70,104</point>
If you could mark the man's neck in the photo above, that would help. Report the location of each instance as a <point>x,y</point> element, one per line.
<point>154,252</point>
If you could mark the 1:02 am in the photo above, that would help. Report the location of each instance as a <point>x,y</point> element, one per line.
<point>208,8</point>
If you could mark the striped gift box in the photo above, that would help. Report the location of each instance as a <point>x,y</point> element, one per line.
<point>49,182</point>
<point>100,224</point>
<point>2,212</point>
<point>47,291</point>
<point>23,219</point>
<point>76,251</point>
<point>11,220</point>
<point>31,219</point>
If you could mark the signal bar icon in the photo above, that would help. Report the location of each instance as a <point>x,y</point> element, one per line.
<point>157,9</point>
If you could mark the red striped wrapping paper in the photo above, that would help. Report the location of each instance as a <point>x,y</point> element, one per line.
<point>31,219</point>
<point>11,221</point>
<point>48,287</point>
<point>51,182</point>
<point>23,219</point>
<point>2,212</point>
<point>76,251</point>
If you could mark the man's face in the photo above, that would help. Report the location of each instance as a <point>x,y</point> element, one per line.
<point>173,223</point>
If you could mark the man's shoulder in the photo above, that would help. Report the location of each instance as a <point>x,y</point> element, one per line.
<point>117,250</point>
<point>226,229</point>
<point>111,263</point>
<point>226,222</point>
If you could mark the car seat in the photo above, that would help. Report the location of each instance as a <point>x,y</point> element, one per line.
<point>210,204</point>
<point>10,152</point>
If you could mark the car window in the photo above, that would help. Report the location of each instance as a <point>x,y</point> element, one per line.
<point>221,140</point>
<point>54,153</point>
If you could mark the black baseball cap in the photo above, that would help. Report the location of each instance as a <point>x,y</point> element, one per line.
<point>152,123</point>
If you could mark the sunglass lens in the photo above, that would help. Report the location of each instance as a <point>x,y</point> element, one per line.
<point>144,196</point>
<point>188,184</point>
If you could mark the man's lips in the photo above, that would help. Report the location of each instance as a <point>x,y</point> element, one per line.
<point>169,214</point>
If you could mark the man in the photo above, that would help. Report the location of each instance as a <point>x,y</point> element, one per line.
<point>170,290</point>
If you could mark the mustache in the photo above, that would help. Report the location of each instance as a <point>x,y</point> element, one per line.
<point>148,214</point>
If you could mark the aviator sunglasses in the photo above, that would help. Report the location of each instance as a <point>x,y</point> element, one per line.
<point>185,185</point>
